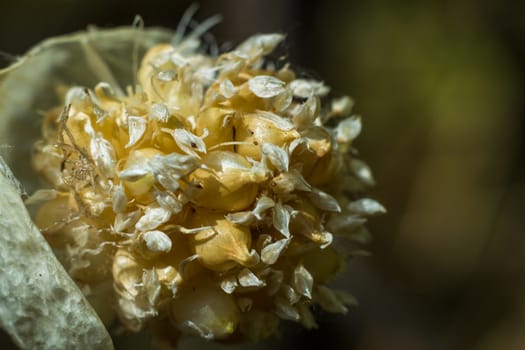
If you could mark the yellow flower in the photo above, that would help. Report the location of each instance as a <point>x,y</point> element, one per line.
<point>210,193</point>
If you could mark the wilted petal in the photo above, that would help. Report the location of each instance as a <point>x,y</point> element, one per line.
<point>279,122</point>
<point>123,221</point>
<point>264,203</point>
<point>266,86</point>
<point>119,199</point>
<point>103,155</point>
<point>271,252</point>
<point>290,294</point>
<point>303,281</point>
<point>241,218</point>
<point>362,171</point>
<point>278,156</point>
<point>281,219</point>
<point>137,128</point>
<point>342,105</point>
<point>157,241</point>
<point>229,284</point>
<point>159,111</point>
<point>324,201</point>
<point>134,172</point>
<point>188,142</point>
<point>260,44</point>
<point>366,206</point>
<point>153,218</point>
<point>227,88</point>
<point>305,88</point>
<point>169,201</point>
<point>248,279</point>
<point>348,129</point>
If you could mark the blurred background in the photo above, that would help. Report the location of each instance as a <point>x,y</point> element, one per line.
<point>440,87</point>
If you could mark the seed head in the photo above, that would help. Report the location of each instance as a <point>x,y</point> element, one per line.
<point>209,194</point>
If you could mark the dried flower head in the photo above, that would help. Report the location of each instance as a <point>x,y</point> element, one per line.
<point>212,194</point>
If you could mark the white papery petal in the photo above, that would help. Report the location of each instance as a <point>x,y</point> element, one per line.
<point>123,221</point>
<point>229,284</point>
<point>342,105</point>
<point>227,88</point>
<point>136,128</point>
<point>281,219</point>
<point>290,294</point>
<point>248,279</point>
<point>362,171</point>
<point>266,86</point>
<point>348,129</point>
<point>304,88</point>
<point>188,142</point>
<point>279,122</point>
<point>303,281</point>
<point>153,218</point>
<point>159,111</point>
<point>366,206</point>
<point>134,172</point>
<point>169,201</point>
<point>260,44</point>
<point>277,155</point>
<point>103,155</point>
<point>241,218</point>
<point>324,201</point>
<point>264,203</point>
<point>271,252</point>
<point>157,241</point>
<point>119,199</point>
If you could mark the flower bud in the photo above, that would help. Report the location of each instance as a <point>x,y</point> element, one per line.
<point>228,182</point>
<point>140,189</point>
<point>219,124</point>
<point>256,130</point>
<point>224,245</point>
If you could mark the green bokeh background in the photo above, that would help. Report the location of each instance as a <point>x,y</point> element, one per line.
<point>440,86</point>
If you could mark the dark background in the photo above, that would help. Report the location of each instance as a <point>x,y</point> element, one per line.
<point>440,87</point>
